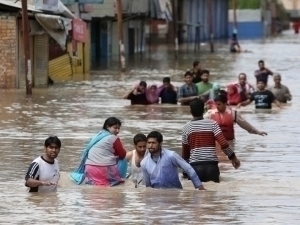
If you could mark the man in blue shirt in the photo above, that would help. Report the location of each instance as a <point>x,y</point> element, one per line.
<point>160,166</point>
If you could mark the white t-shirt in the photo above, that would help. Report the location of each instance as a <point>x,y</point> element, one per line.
<point>45,171</point>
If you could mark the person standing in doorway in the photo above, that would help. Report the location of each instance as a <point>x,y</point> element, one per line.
<point>136,156</point>
<point>263,98</point>
<point>43,173</point>
<point>281,92</point>
<point>196,72</point>
<point>188,91</point>
<point>199,138</point>
<point>160,167</point>
<point>262,73</point>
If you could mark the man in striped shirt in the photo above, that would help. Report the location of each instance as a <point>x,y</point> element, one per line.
<point>199,138</point>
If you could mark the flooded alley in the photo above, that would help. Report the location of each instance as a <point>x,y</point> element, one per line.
<point>265,190</point>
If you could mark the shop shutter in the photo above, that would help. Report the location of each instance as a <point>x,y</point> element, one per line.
<point>41,60</point>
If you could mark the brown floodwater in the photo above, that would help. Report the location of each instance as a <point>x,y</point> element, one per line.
<point>265,190</point>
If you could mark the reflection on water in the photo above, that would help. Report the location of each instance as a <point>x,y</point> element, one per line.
<point>264,190</point>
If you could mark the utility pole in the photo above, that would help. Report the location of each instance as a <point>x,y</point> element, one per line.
<point>175,27</point>
<point>121,36</point>
<point>234,16</point>
<point>28,75</point>
<point>210,24</point>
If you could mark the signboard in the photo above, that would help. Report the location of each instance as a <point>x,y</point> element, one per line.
<point>92,1</point>
<point>47,5</point>
<point>79,30</point>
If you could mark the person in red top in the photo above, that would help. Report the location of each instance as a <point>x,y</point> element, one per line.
<point>296,27</point>
<point>233,95</point>
<point>199,138</point>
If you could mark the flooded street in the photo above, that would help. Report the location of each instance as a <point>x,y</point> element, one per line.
<point>265,190</point>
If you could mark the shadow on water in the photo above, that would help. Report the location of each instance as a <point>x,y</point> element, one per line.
<point>262,191</point>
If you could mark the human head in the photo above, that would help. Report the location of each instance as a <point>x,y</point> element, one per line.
<point>167,82</point>
<point>153,88</point>
<point>52,147</point>
<point>188,78</point>
<point>205,76</point>
<point>232,89</point>
<point>277,78</point>
<point>197,107</point>
<point>142,86</point>
<point>113,125</point>
<point>140,143</point>
<point>242,78</point>
<point>261,64</point>
<point>154,142</point>
<point>221,102</point>
<point>197,65</point>
<point>261,85</point>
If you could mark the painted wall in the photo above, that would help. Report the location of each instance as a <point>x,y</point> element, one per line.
<point>248,30</point>
<point>196,11</point>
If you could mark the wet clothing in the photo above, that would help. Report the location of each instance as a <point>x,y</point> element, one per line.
<point>207,171</point>
<point>233,98</point>
<point>187,91</point>
<point>196,76</point>
<point>104,164</point>
<point>263,99</point>
<point>139,99</point>
<point>262,76</point>
<point>168,96</point>
<point>136,172</point>
<point>164,172</point>
<point>104,152</point>
<point>199,146</point>
<point>280,92</point>
<point>103,175</point>
<point>45,171</point>
<point>204,87</point>
<point>227,120</point>
<point>153,97</point>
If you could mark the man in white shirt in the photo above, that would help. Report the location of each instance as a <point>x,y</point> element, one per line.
<point>43,172</point>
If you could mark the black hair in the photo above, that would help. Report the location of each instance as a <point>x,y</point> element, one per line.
<point>196,63</point>
<point>111,121</point>
<point>222,92</point>
<point>139,138</point>
<point>143,83</point>
<point>166,80</point>
<point>52,140</point>
<point>204,71</point>
<point>155,134</point>
<point>260,80</point>
<point>242,74</point>
<point>197,107</point>
<point>221,98</point>
<point>188,73</point>
<point>261,61</point>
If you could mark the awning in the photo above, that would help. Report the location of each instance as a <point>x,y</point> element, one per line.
<point>56,26</point>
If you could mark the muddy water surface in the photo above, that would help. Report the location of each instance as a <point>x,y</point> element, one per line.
<point>265,190</point>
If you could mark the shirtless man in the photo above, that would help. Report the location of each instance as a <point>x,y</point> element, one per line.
<point>136,156</point>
